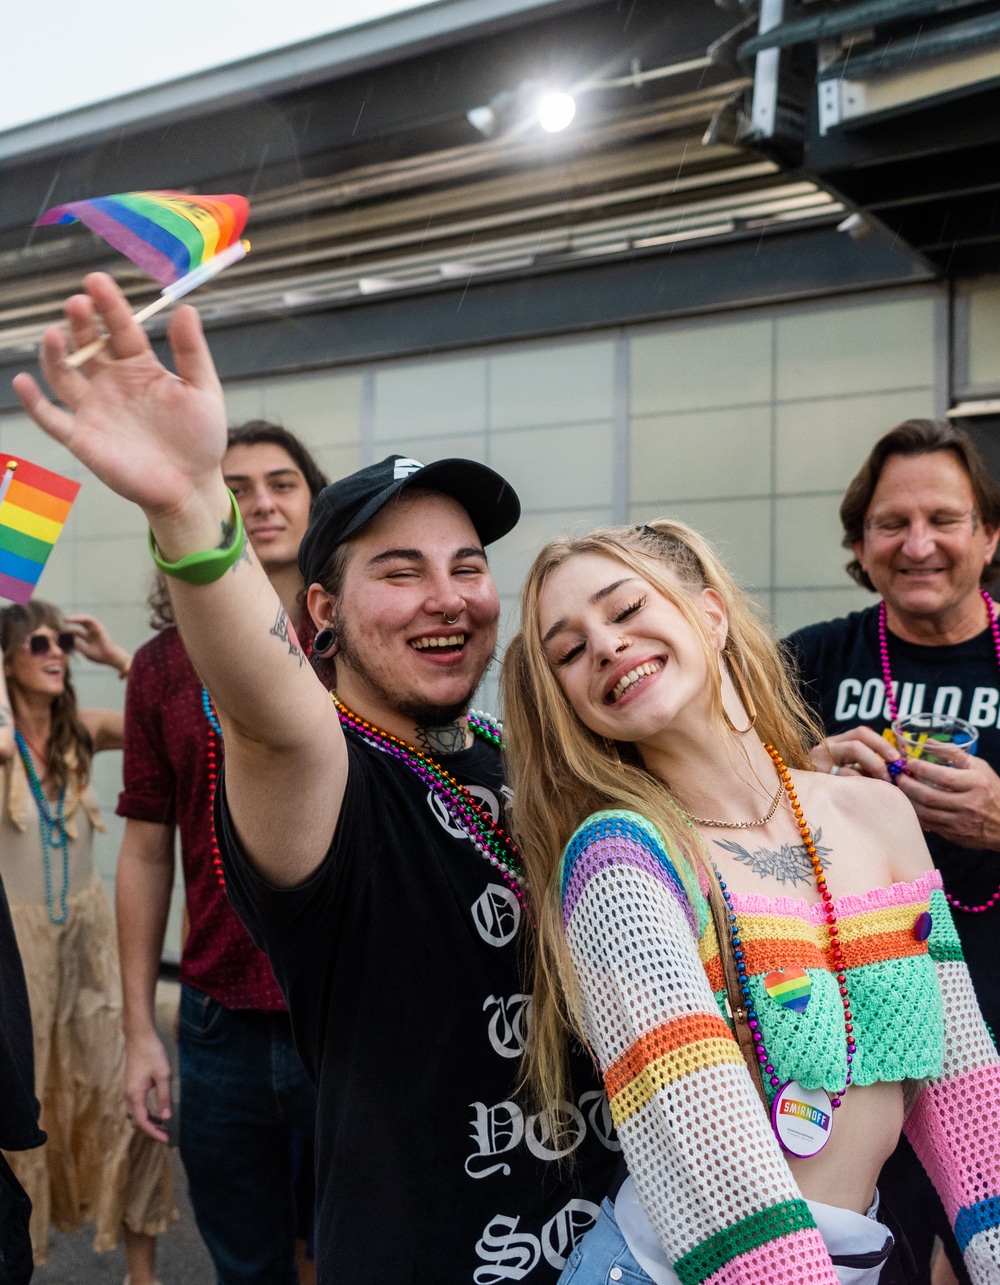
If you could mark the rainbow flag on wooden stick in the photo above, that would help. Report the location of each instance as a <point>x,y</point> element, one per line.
<point>166,234</point>
<point>34,506</point>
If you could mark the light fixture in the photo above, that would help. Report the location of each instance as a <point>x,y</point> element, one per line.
<point>556,110</point>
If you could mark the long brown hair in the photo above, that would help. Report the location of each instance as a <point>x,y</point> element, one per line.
<point>70,748</point>
<point>561,772</point>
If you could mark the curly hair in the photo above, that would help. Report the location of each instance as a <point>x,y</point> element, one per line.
<point>70,748</point>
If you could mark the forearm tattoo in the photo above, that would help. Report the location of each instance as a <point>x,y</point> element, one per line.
<point>788,864</point>
<point>282,628</point>
<point>441,740</point>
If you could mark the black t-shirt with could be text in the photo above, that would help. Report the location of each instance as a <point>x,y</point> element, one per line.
<point>400,962</point>
<point>840,669</point>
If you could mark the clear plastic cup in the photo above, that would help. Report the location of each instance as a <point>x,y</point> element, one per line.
<point>935,738</point>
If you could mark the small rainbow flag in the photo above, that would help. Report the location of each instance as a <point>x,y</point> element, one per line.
<point>34,506</point>
<point>166,234</point>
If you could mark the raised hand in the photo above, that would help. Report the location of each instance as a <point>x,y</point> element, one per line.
<point>154,437</point>
<point>94,642</point>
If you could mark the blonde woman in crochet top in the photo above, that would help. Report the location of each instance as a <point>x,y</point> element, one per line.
<point>93,1166</point>
<point>640,774</point>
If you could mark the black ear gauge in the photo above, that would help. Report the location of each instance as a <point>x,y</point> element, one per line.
<point>325,643</point>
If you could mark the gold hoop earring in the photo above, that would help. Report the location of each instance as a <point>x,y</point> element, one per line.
<point>739,682</point>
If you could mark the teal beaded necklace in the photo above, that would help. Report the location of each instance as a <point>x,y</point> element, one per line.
<point>52,830</point>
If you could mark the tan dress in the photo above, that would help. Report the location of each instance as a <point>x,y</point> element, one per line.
<point>94,1165</point>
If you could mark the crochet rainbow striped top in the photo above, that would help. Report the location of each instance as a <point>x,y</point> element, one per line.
<point>646,959</point>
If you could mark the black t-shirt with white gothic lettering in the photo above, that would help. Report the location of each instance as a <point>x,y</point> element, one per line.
<point>400,959</point>
<point>840,669</point>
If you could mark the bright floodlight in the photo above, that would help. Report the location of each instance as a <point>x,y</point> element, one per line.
<point>555,111</point>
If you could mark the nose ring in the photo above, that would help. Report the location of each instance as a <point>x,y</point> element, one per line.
<point>450,620</point>
<point>623,641</point>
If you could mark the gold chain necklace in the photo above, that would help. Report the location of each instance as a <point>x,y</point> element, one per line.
<point>744,825</point>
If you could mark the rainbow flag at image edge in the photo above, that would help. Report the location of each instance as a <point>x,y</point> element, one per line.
<point>32,514</point>
<point>166,234</point>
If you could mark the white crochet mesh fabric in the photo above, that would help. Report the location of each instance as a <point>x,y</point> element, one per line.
<point>705,1162</point>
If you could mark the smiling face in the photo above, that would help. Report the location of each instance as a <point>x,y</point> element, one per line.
<point>274,500</point>
<point>925,545</point>
<point>417,615</point>
<point>37,675</point>
<point>628,659</point>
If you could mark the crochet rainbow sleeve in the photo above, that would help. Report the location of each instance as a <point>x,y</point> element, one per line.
<point>953,1120</point>
<point>706,1165</point>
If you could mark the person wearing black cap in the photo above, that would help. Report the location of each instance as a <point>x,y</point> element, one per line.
<point>361,837</point>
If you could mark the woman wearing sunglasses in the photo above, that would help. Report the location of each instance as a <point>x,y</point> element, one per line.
<point>93,1166</point>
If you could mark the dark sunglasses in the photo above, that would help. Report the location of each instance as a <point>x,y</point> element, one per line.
<point>41,644</point>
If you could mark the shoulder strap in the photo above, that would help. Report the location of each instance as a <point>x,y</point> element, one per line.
<point>720,917</point>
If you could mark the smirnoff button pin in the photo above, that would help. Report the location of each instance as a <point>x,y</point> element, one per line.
<point>802,1119</point>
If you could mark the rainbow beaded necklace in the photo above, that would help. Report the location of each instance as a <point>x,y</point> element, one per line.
<point>52,830</point>
<point>489,838</point>
<point>883,645</point>
<point>836,952</point>
<point>214,754</point>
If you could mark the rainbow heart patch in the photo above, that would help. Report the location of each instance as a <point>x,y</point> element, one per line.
<point>791,987</point>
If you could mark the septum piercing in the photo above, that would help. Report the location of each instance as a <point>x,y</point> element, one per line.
<point>449,620</point>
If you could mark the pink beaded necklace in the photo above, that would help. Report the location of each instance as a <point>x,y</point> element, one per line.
<point>883,644</point>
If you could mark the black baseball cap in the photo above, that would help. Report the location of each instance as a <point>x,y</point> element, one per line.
<point>342,508</point>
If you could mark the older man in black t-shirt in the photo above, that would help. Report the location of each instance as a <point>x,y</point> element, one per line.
<point>379,879</point>
<point>922,519</point>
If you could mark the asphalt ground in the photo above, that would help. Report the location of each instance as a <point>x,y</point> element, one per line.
<point>181,1255</point>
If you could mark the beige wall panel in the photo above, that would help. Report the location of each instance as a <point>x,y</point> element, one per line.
<point>794,608</point>
<point>98,511</point>
<point>511,557</point>
<point>807,543</point>
<point>701,455</point>
<point>244,401</point>
<point>822,444</point>
<point>723,364</point>
<point>859,348</point>
<point>984,335</point>
<point>58,580</point>
<point>113,571</point>
<point>556,468</point>
<point>428,399</point>
<point>739,529</point>
<point>322,409</point>
<point>21,436</point>
<point>337,461</point>
<point>560,383</point>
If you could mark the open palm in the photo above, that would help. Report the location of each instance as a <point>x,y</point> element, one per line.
<point>152,436</point>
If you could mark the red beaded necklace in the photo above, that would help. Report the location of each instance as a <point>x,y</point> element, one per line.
<point>883,644</point>
<point>214,746</point>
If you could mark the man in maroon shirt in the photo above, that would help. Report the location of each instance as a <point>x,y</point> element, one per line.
<point>243,1088</point>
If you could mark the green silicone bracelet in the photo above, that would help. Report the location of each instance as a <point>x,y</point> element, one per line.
<point>207,565</point>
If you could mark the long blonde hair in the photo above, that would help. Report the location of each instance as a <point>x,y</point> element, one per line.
<point>561,772</point>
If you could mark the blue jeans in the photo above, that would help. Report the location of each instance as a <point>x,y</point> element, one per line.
<point>243,1097</point>
<point>602,1257</point>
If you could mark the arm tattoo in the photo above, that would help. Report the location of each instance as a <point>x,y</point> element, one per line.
<point>227,534</point>
<point>244,555</point>
<point>441,740</point>
<point>282,628</point>
<point>5,719</point>
<point>789,864</point>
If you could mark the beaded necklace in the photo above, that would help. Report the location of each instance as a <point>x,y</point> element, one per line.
<point>791,1090</point>
<point>214,748</point>
<point>52,830</point>
<point>899,765</point>
<point>492,842</point>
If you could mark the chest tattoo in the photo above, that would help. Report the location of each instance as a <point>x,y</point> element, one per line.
<point>441,740</point>
<point>788,864</point>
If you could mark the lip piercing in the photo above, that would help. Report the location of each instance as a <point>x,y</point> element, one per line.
<point>450,620</point>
